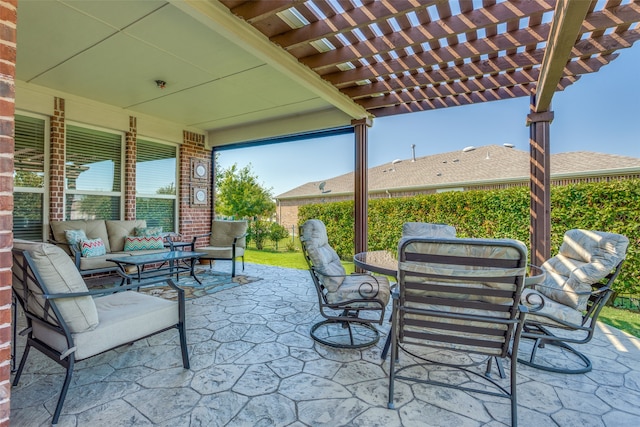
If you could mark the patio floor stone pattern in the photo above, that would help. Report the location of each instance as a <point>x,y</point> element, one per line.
<point>254,364</point>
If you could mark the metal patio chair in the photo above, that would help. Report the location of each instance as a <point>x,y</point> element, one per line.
<point>67,324</point>
<point>461,296</point>
<point>350,303</point>
<point>564,308</point>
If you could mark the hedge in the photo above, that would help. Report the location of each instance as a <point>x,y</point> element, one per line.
<point>607,206</point>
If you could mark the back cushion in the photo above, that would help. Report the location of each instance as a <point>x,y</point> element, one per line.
<point>93,229</point>
<point>223,232</point>
<point>324,257</point>
<point>427,229</point>
<point>59,275</point>
<point>584,258</point>
<point>119,230</point>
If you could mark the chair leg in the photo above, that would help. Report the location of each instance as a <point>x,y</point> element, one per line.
<point>183,346</point>
<point>65,388</point>
<point>233,268</point>
<point>23,360</point>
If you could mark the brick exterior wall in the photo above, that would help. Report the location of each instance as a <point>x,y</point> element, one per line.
<point>131,140</point>
<point>7,111</point>
<point>56,164</point>
<point>193,219</point>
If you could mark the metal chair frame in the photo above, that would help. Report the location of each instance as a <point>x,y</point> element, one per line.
<point>349,311</point>
<point>543,335</point>
<point>424,316</point>
<point>54,321</point>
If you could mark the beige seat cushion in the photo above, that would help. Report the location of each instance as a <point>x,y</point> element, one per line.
<point>533,299</point>
<point>219,253</point>
<point>60,275</point>
<point>124,317</point>
<point>359,286</point>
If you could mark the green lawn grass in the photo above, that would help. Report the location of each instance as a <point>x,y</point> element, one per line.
<point>625,320</point>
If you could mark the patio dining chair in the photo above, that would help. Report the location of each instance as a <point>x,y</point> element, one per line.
<point>67,324</point>
<point>350,303</point>
<point>459,298</point>
<point>564,308</point>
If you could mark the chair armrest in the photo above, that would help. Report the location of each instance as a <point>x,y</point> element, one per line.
<point>98,292</point>
<point>235,239</point>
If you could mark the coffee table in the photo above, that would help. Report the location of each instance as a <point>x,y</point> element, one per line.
<point>172,262</point>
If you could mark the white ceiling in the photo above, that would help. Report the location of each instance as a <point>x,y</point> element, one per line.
<point>113,51</point>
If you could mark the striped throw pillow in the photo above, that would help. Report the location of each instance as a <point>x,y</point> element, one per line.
<point>139,243</point>
<point>92,247</point>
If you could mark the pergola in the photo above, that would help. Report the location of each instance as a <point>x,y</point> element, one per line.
<point>397,57</point>
<point>241,72</point>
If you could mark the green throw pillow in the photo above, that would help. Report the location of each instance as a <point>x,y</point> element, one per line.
<point>137,243</point>
<point>148,231</point>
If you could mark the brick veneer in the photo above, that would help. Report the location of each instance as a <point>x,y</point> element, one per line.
<point>7,111</point>
<point>56,164</point>
<point>194,220</point>
<point>131,144</point>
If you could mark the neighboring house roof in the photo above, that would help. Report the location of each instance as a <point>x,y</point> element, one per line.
<point>487,164</point>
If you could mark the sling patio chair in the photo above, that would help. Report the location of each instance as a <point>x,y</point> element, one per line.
<point>457,300</point>
<point>350,303</point>
<point>564,308</point>
<point>67,324</point>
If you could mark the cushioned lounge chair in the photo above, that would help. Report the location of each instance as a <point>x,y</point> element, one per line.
<point>564,308</point>
<point>69,323</point>
<point>350,303</point>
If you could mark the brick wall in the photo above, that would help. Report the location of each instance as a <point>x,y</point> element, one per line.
<point>193,220</point>
<point>7,111</point>
<point>56,165</point>
<point>131,140</point>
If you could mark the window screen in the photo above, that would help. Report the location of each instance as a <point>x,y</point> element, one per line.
<point>29,178</point>
<point>156,184</point>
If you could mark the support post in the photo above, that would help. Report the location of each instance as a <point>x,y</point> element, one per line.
<point>361,193</point>
<point>540,184</point>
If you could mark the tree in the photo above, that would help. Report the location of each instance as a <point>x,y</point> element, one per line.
<point>240,195</point>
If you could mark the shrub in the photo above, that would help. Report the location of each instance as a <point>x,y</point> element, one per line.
<point>608,206</point>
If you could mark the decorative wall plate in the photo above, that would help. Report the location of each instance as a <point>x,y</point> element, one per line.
<point>199,169</point>
<point>199,196</point>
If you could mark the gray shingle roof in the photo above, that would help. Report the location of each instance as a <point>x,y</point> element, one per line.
<point>487,164</point>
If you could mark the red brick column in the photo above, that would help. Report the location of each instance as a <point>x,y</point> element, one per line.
<point>56,165</point>
<point>130,170</point>
<point>7,112</point>
<point>194,219</point>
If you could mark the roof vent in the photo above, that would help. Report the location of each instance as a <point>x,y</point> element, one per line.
<point>469,148</point>
<point>396,161</point>
<point>506,144</point>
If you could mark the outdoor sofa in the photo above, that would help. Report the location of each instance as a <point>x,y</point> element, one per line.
<point>116,238</point>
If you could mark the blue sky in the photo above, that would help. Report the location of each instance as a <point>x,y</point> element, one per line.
<point>598,113</point>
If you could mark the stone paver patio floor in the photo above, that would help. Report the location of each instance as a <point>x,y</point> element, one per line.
<point>254,364</point>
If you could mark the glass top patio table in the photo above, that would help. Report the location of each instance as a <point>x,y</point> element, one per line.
<point>383,262</point>
<point>173,258</point>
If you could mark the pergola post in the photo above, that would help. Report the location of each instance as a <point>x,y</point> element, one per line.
<point>540,184</point>
<point>361,194</point>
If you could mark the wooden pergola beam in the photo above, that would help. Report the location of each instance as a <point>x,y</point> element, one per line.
<point>565,29</point>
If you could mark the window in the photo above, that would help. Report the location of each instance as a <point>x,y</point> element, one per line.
<point>29,178</point>
<point>93,174</point>
<point>156,184</point>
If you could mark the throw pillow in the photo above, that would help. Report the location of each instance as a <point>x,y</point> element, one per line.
<point>138,243</point>
<point>74,237</point>
<point>92,247</point>
<point>148,231</point>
